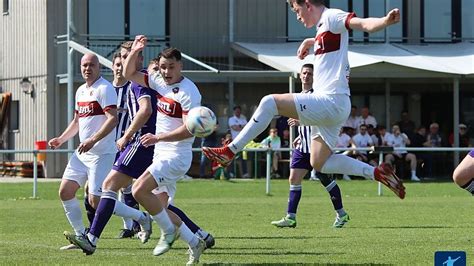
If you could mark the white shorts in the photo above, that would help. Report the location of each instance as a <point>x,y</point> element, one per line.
<point>167,168</point>
<point>92,168</point>
<point>325,113</point>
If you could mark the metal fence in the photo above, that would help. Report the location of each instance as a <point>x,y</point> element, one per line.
<point>379,150</point>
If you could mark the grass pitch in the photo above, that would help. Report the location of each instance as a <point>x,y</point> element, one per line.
<point>382,230</point>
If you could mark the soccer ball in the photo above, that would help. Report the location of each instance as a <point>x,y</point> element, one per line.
<point>201,121</point>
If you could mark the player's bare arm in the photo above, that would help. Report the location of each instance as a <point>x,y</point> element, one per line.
<point>178,134</point>
<point>143,114</point>
<point>69,132</point>
<point>304,47</point>
<point>375,24</point>
<point>106,128</point>
<point>129,66</point>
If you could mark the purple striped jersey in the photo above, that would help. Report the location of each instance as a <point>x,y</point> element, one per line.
<point>134,95</point>
<point>122,113</point>
<point>304,132</point>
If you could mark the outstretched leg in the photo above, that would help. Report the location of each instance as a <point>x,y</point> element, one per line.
<point>463,175</point>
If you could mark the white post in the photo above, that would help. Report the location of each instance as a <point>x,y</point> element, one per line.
<point>380,192</point>
<point>269,165</point>
<point>35,172</point>
<point>70,72</point>
<point>456,119</point>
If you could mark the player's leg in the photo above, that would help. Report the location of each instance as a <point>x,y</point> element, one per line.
<point>335,195</point>
<point>411,158</point>
<point>270,106</point>
<point>463,175</point>
<point>389,159</point>
<point>90,211</point>
<point>130,226</point>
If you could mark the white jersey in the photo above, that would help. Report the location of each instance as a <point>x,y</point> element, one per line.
<point>235,121</point>
<point>343,141</point>
<point>174,101</point>
<point>91,104</point>
<point>362,141</point>
<point>397,141</point>
<point>331,64</point>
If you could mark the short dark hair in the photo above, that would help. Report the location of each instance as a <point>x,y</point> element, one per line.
<point>116,55</point>
<point>363,125</point>
<point>170,53</point>
<point>237,107</point>
<point>308,66</point>
<point>300,2</point>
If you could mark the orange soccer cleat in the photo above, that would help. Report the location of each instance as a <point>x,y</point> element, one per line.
<point>385,175</point>
<point>221,155</point>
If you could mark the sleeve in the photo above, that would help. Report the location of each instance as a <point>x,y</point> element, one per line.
<point>189,99</point>
<point>152,81</point>
<point>108,98</point>
<point>141,92</point>
<point>232,121</point>
<point>339,20</point>
<point>277,144</point>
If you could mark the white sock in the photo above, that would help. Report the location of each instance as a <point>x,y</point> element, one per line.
<point>163,221</point>
<point>413,173</point>
<point>201,234</point>
<point>188,236</point>
<point>127,222</point>
<point>342,164</point>
<point>74,215</point>
<point>264,114</point>
<point>122,210</point>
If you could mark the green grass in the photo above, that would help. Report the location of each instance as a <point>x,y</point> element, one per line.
<point>382,230</point>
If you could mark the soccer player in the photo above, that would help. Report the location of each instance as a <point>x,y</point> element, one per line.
<point>329,106</point>
<point>300,165</point>
<point>95,120</point>
<point>463,175</point>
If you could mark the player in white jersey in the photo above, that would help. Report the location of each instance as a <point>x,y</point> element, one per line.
<point>173,143</point>
<point>95,120</point>
<point>328,107</point>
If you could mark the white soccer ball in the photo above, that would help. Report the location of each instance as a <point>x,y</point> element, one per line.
<point>201,121</point>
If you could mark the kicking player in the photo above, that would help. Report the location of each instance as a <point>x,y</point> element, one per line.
<point>463,175</point>
<point>329,106</point>
<point>300,165</point>
<point>94,120</point>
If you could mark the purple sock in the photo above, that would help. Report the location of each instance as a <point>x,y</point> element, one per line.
<point>188,222</point>
<point>294,199</point>
<point>104,212</point>
<point>131,202</point>
<point>335,194</point>
<point>89,209</point>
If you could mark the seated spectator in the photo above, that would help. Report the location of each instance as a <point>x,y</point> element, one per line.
<point>273,142</point>
<point>463,137</point>
<point>380,136</point>
<point>353,119</point>
<point>397,140</point>
<point>362,140</point>
<point>344,140</point>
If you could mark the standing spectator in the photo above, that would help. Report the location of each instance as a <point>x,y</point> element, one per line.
<point>463,137</point>
<point>236,124</point>
<point>406,125</point>
<point>398,139</point>
<point>366,118</point>
<point>353,120</point>
<point>273,142</point>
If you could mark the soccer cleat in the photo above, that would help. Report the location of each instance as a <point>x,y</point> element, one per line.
<point>221,155</point>
<point>81,241</point>
<point>341,221</point>
<point>285,222</point>
<point>385,175</point>
<point>165,242</point>
<point>126,233</point>
<point>69,247</point>
<point>146,230</point>
<point>209,240</point>
<point>195,252</point>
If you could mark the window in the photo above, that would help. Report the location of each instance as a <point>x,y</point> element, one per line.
<point>296,30</point>
<point>6,7</point>
<point>437,22</point>
<point>467,19</point>
<point>107,25</point>
<point>14,121</point>
<point>142,12</point>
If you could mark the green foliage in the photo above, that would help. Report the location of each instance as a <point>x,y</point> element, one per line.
<point>382,230</point>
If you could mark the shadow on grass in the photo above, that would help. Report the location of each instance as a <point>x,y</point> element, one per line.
<point>412,227</point>
<point>263,237</point>
<point>293,263</point>
<point>272,252</point>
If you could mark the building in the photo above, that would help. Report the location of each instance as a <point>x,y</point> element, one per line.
<point>32,48</point>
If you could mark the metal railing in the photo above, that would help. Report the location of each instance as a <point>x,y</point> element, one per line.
<point>380,150</point>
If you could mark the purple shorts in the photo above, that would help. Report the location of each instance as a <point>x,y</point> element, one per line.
<point>471,153</point>
<point>134,160</point>
<point>300,160</point>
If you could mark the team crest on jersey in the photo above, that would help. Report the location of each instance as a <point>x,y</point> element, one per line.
<point>175,89</point>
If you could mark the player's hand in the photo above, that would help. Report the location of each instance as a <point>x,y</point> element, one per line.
<point>392,17</point>
<point>293,122</point>
<point>54,143</point>
<point>303,50</point>
<point>86,146</point>
<point>139,43</point>
<point>149,139</point>
<point>296,142</point>
<point>122,143</point>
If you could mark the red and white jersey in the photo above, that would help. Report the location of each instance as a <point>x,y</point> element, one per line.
<point>91,104</point>
<point>331,63</point>
<point>174,101</point>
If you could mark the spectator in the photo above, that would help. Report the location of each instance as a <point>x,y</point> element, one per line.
<point>353,119</point>
<point>273,142</point>
<point>380,136</point>
<point>344,141</point>
<point>236,124</point>
<point>362,140</point>
<point>397,140</point>
<point>434,138</point>
<point>366,118</point>
<point>406,125</point>
<point>463,137</point>
<point>282,125</point>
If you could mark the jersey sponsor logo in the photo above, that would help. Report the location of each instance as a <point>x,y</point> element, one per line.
<point>169,107</point>
<point>327,42</point>
<point>86,109</point>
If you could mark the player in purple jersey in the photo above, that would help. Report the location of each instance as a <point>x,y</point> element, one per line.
<point>463,175</point>
<point>300,165</point>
